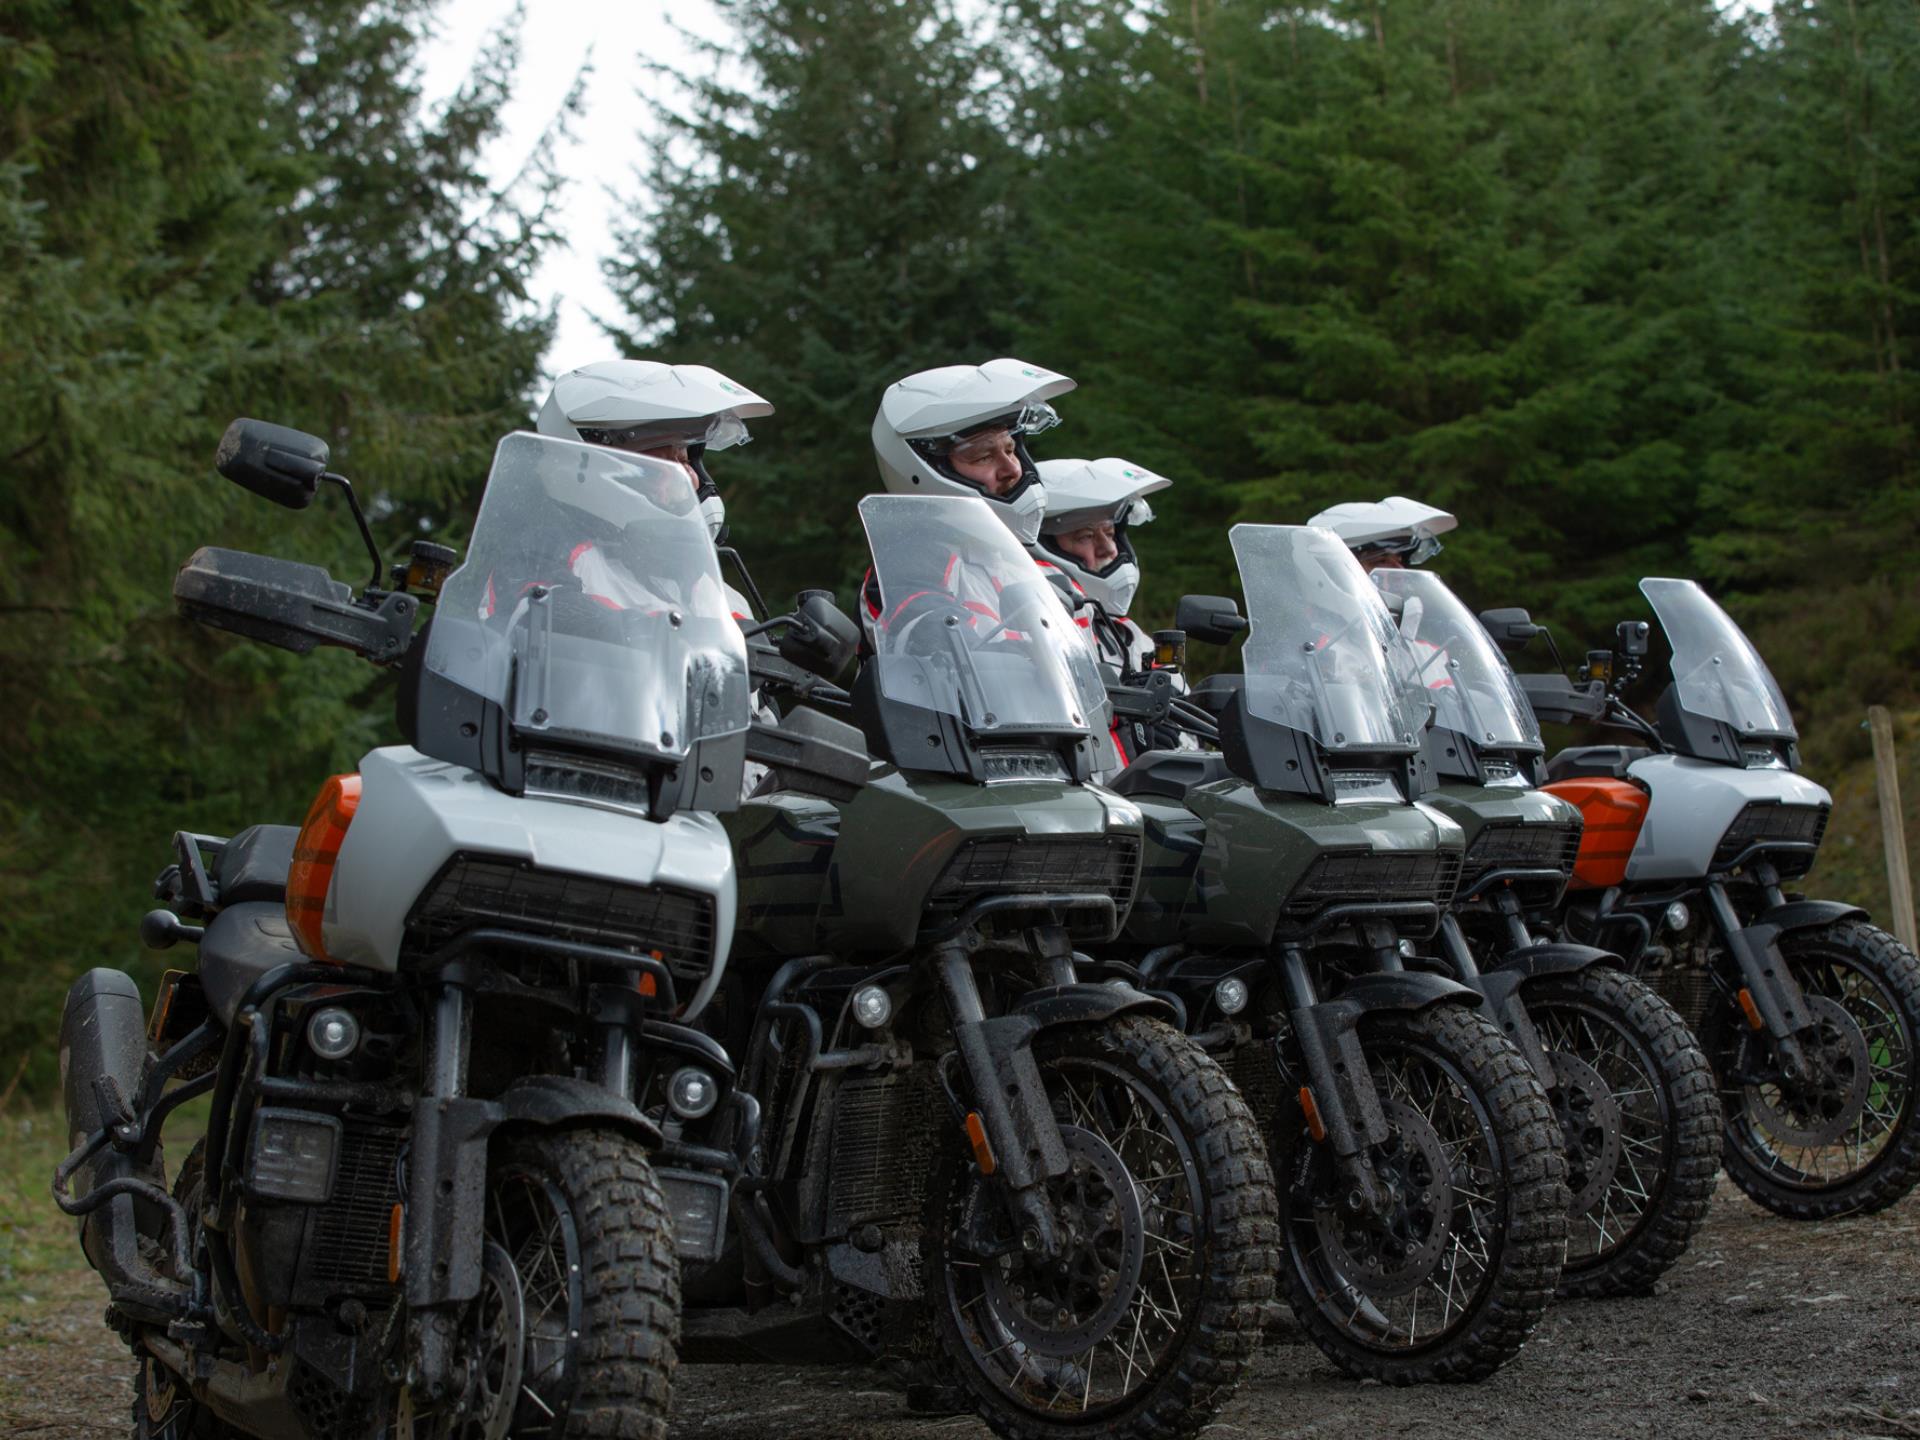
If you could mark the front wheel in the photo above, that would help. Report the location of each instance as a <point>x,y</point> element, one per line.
<point>1640,1123</point>
<point>1143,1322</point>
<point>1448,1284</point>
<point>580,1240</point>
<point>1841,1140</point>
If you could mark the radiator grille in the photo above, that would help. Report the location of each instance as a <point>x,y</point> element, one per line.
<point>1521,847</point>
<point>884,1133</point>
<point>476,891</point>
<point>1375,877</point>
<point>347,1239</point>
<point>1019,866</point>
<point>1689,989</point>
<point>1767,823</point>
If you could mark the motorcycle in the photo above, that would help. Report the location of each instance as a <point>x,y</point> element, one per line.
<point>1807,1012</point>
<point>1639,1118</point>
<point>1289,881</point>
<point>426,1202</point>
<point>1023,1190</point>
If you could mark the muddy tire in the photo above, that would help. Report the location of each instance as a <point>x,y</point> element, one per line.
<point>1159,1136</point>
<point>1868,985</point>
<point>584,1220</point>
<point>1641,1190</point>
<point>1481,1227</point>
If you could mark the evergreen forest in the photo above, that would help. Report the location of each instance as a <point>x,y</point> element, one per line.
<point>1631,286</point>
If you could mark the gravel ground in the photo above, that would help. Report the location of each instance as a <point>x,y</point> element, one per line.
<point>1765,1329</point>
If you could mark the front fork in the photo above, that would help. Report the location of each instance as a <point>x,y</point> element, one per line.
<point>1500,989</point>
<point>1011,1127</point>
<point>1769,998</point>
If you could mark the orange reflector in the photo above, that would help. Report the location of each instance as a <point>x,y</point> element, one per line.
<point>313,856</point>
<point>163,1005</point>
<point>395,1217</point>
<point>1316,1127</point>
<point>1752,1010</point>
<point>646,985</point>
<point>982,1151</point>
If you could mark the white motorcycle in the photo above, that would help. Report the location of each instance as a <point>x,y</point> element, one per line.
<point>460,1116</point>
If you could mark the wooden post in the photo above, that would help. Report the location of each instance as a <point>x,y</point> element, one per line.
<point>1893,833</point>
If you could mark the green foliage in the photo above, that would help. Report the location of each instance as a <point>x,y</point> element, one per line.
<point>211,208</point>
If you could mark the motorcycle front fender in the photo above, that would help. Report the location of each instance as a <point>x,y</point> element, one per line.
<point>1807,915</point>
<point>1089,1004</point>
<point>1404,990</point>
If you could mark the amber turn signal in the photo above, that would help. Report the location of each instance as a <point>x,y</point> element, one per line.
<point>314,854</point>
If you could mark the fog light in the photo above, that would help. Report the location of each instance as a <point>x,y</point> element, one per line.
<point>333,1033</point>
<point>291,1155</point>
<point>699,1204</point>
<point>1678,916</point>
<point>872,1006</point>
<point>692,1093</point>
<point>1231,996</point>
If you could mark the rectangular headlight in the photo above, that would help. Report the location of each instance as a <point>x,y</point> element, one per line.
<point>292,1155</point>
<point>698,1201</point>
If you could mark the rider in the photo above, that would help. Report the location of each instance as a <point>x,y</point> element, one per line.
<point>675,413</point>
<point>962,430</point>
<point>1393,533</point>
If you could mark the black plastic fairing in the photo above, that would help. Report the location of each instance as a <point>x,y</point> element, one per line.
<point>291,605</point>
<point>915,737</point>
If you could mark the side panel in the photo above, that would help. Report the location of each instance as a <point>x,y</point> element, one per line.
<point>416,813</point>
<point>1694,801</point>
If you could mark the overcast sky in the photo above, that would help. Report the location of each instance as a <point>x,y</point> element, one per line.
<point>555,42</point>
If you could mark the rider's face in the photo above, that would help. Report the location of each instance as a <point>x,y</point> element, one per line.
<point>990,460</point>
<point>675,451</point>
<point>1372,560</point>
<point>1094,546</point>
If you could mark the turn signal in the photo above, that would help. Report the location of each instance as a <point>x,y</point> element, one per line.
<point>1752,1010</point>
<point>314,854</point>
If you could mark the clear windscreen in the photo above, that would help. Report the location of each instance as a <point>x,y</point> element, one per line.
<point>968,625</point>
<point>590,606</point>
<point>1323,655</point>
<point>1716,671</point>
<point>1472,687</point>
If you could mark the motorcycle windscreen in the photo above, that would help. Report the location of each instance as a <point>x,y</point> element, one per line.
<point>590,605</point>
<point>1717,674</point>
<point>1472,687</point>
<point>968,625</point>
<point>1324,656</point>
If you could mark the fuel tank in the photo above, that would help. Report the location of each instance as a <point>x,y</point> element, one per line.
<point>1233,862</point>
<point>911,851</point>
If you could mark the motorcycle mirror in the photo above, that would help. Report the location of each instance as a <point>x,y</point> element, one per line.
<point>823,640</point>
<point>1510,628</point>
<point>1633,637</point>
<point>1215,619</point>
<point>273,461</point>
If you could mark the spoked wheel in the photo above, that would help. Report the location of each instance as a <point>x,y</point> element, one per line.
<point>575,1329</point>
<point>1142,1319</point>
<point>1840,1140</point>
<point>1447,1282</point>
<point>1639,1122</point>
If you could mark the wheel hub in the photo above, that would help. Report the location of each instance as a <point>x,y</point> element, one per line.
<point>1061,1305</point>
<point>1392,1253</point>
<point>1821,1107</point>
<point>1589,1117</point>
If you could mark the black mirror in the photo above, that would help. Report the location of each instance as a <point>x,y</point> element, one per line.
<point>1213,618</point>
<point>273,461</point>
<point>822,639</point>
<point>1510,628</point>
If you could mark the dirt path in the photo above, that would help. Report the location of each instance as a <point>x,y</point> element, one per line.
<point>1767,1329</point>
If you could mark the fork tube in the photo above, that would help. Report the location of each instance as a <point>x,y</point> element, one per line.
<point>447,1044</point>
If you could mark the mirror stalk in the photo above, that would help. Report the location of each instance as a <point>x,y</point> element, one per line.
<point>366,531</point>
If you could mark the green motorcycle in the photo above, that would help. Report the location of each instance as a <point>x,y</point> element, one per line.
<point>1026,1191</point>
<point>1634,1095</point>
<point>1287,882</point>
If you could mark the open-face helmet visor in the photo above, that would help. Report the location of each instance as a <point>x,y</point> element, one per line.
<point>704,432</point>
<point>1415,548</point>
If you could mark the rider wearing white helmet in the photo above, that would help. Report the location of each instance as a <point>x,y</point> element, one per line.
<point>1395,532</point>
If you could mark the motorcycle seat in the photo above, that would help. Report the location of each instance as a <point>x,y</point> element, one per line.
<point>242,943</point>
<point>254,864</point>
<point>1171,773</point>
<point>1607,762</point>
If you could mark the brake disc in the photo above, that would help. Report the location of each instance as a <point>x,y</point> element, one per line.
<point>1589,1117</point>
<point>1063,1305</point>
<point>1822,1108</point>
<point>1382,1256</point>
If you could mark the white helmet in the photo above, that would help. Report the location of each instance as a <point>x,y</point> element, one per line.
<point>1081,492</point>
<point>922,417</point>
<point>639,405</point>
<point>1396,524</point>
